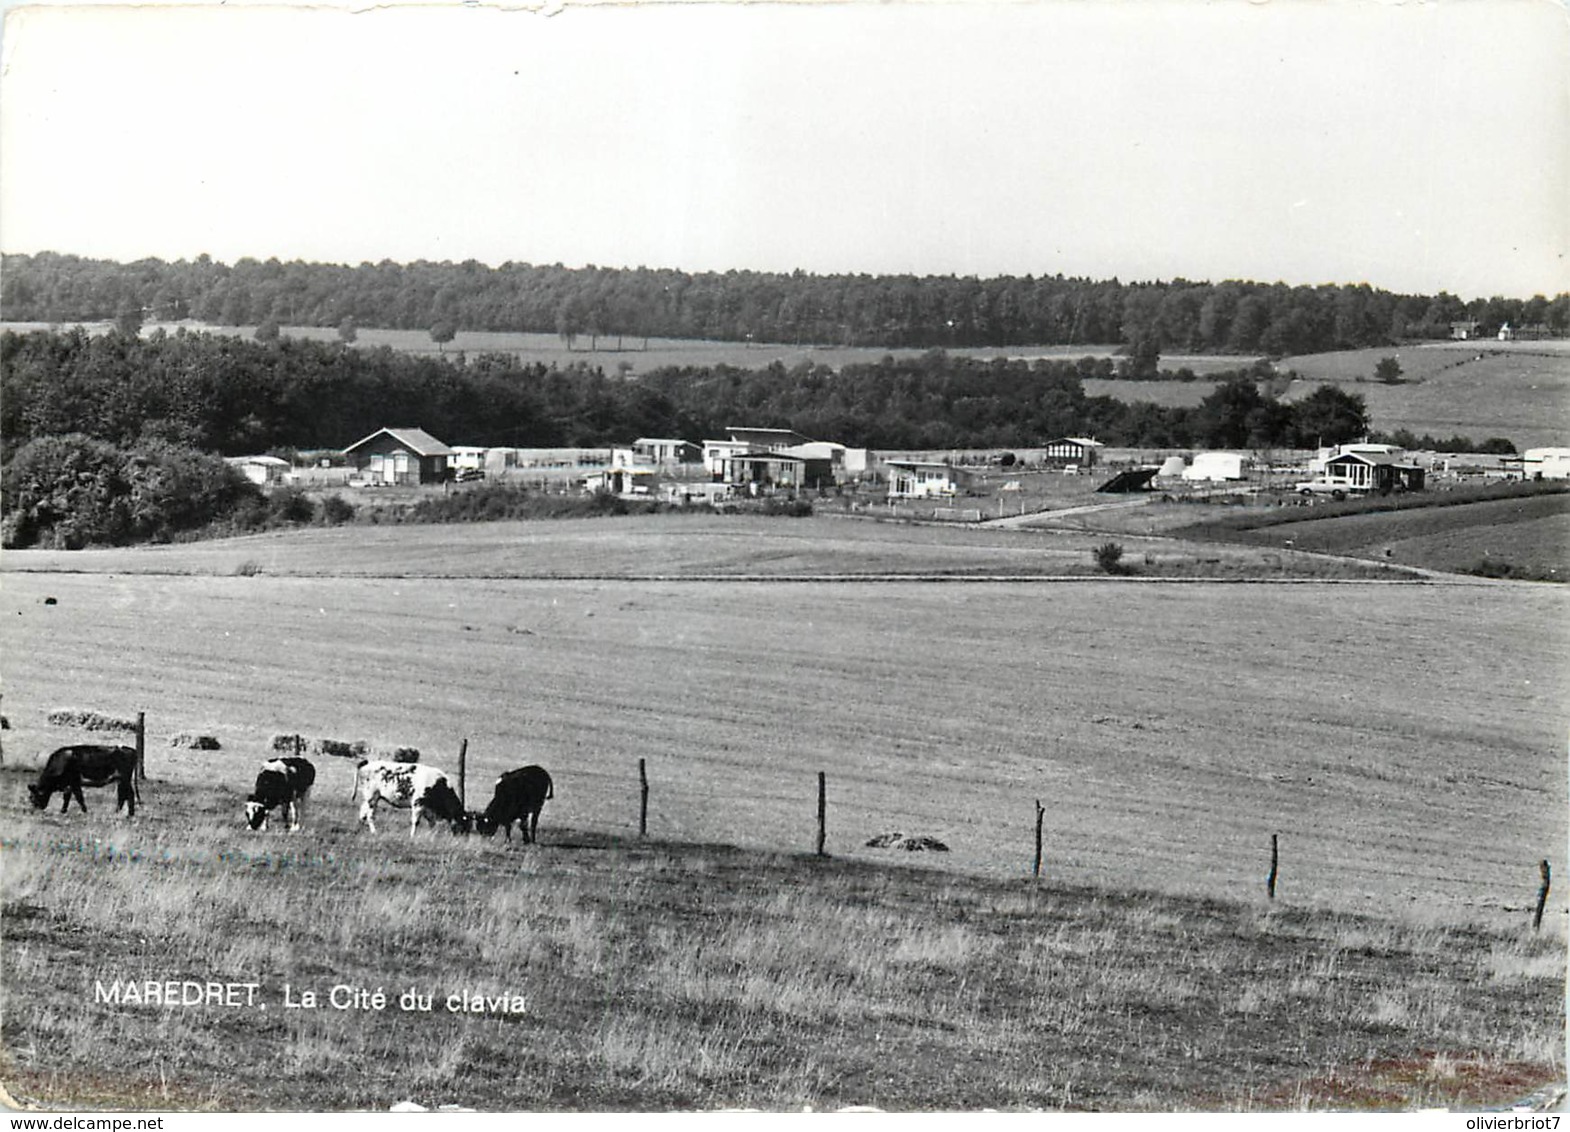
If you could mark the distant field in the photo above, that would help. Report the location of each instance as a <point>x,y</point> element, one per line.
<point>1518,390</point>
<point>1531,535</point>
<point>701,544</point>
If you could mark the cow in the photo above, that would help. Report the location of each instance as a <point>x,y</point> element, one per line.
<point>282,782</point>
<point>519,797</point>
<point>69,769</point>
<point>422,790</point>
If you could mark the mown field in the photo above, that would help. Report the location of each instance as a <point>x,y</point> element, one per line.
<point>1518,390</point>
<point>701,544</point>
<point>1406,743</point>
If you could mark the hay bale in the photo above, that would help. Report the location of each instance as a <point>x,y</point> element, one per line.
<point>288,744</point>
<point>397,754</point>
<point>910,843</point>
<point>194,742</point>
<point>337,748</point>
<point>89,720</point>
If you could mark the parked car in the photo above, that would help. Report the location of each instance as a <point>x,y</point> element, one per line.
<point>1336,489</point>
<point>467,475</point>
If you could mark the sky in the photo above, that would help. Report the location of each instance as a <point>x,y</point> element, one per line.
<point>1416,147</point>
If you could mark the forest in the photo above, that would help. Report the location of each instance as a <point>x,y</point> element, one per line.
<point>898,312</point>
<point>238,396</point>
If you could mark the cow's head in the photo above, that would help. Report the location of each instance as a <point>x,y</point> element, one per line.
<point>40,796</point>
<point>463,823</point>
<point>483,824</point>
<point>255,815</point>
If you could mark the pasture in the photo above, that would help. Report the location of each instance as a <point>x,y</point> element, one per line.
<point>1518,390</point>
<point>1406,743</point>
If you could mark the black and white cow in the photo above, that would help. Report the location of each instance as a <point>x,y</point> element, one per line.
<point>422,790</point>
<point>282,782</point>
<point>69,769</point>
<point>519,797</point>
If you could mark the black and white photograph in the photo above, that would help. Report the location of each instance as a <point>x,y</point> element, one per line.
<point>910,557</point>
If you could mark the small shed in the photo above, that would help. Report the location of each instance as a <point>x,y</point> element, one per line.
<point>400,456</point>
<point>261,470</point>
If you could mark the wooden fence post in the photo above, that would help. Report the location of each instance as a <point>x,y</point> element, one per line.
<point>1040,811</point>
<point>822,810</point>
<point>1275,861</point>
<point>643,798</point>
<point>299,746</point>
<point>463,757</point>
<point>141,746</point>
<point>1542,896</point>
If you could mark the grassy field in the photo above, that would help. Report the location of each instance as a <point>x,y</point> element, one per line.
<point>1406,743</point>
<point>664,975</point>
<point>1529,536</point>
<point>1518,390</point>
<point>701,544</point>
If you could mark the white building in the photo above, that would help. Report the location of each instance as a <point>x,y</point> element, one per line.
<point>922,479</point>
<point>1546,463</point>
<point>260,470</point>
<point>1316,466</point>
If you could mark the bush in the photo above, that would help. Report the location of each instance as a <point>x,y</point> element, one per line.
<point>73,491</point>
<point>1109,557</point>
<point>336,509</point>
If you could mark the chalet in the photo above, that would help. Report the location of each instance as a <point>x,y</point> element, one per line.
<point>261,470</point>
<point>1463,331</point>
<point>1076,450</point>
<point>744,441</point>
<point>400,456</point>
<point>1316,465</point>
<point>760,471</point>
<point>1369,471</point>
<point>924,479</point>
<point>627,482</point>
<point>660,450</point>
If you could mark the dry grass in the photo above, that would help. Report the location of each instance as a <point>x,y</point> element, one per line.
<point>660,976</point>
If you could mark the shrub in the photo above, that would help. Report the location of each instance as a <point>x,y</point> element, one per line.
<point>336,509</point>
<point>1109,557</point>
<point>289,505</point>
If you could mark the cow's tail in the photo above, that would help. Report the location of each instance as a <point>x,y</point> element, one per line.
<point>550,788</point>
<point>355,788</point>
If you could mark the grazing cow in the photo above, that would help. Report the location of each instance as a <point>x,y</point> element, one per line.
<point>519,797</point>
<point>88,764</point>
<point>282,782</point>
<point>422,790</point>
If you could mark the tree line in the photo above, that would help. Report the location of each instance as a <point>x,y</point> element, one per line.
<point>236,396</point>
<point>896,311</point>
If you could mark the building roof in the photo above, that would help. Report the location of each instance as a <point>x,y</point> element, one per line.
<point>416,440</point>
<point>269,461</point>
<point>663,440</point>
<point>1082,441</point>
<point>1369,458</point>
<point>767,436</point>
<point>921,464</point>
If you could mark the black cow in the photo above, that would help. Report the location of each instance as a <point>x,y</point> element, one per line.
<point>87,764</point>
<point>282,782</point>
<point>519,797</point>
